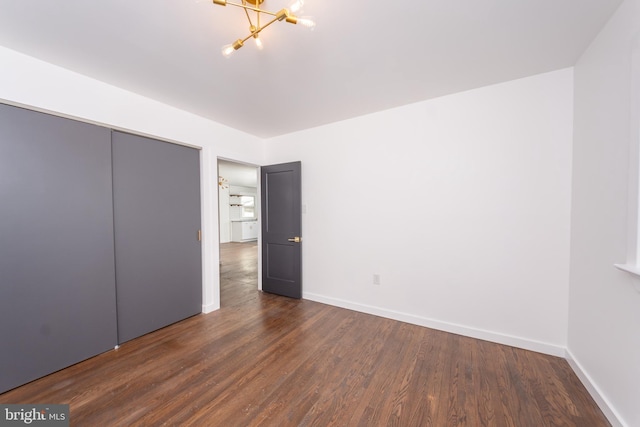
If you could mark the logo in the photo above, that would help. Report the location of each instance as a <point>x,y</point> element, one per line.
<point>34,415</point>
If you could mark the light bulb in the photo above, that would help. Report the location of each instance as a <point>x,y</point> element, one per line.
<point>307,21</point>
<point>259,44</point>
<point>227,50</point>
<point>296,6</point>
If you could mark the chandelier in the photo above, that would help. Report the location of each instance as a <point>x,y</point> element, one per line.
<point>256,25</point>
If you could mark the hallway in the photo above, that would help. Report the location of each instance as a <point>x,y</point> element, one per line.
<point>238,273</point>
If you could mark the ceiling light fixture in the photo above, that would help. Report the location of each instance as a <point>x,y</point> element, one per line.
<point>256,26</point>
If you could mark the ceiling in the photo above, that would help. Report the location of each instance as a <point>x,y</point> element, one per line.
<point>364,56</point>
<point>238,174</point>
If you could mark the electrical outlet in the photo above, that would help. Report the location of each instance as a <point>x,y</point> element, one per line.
<point>376,279</point>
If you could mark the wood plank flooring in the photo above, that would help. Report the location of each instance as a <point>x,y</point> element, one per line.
<point>264,360</point>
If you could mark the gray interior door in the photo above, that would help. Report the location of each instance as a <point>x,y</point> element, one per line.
<point>57,284</point>
<point>156,201</point>
<point>281,229</point>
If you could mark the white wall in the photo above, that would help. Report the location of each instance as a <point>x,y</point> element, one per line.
<point>42,86</point>
<point>604,307</point>
<point>461,204</point>
<point>238,175</point>
<point>224,219</point>
<point>229,213</point>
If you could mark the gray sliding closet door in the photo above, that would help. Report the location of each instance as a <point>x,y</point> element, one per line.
<point>57,285</point>
<point>156,198</point>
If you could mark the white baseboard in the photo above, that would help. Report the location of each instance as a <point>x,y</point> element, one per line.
<point>208,308</point>
<point>602,402</point>
<point>526,344</point>
<point>540,347</point>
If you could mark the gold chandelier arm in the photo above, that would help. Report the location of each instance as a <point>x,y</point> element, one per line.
<point>246,7</point>
<point>257,31</point>
<point>257,15</point>
<point>282,15</point>
<point>249,18</point>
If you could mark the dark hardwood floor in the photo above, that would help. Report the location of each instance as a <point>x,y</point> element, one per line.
<point>272,361</point>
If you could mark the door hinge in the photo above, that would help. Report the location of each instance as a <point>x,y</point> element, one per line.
<point>199,235</point>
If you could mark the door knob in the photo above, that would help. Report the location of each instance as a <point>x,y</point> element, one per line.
<point>295,239</point>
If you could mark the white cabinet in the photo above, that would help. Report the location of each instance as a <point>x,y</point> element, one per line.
<point>242,207</point>
<point>242,231</point>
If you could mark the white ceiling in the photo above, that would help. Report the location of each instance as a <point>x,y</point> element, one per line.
<point>364,55</point>
<point>238,174</point>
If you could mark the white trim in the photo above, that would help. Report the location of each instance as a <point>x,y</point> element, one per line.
<point>632,265</point>
<point>209,308</point>
<point>527,344</point>
<point>607,408</point>
<point>632,269</point>
<point>629,268</point>
<point>209,225</point>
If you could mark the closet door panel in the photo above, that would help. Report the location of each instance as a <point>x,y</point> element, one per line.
<point>157,218</point>
<point>57,280</point>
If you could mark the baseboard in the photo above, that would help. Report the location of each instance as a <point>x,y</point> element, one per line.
<point>602,402</point>
<point>208,308</point>
<point>509,340</point>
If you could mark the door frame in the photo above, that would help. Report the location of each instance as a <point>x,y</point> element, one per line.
<point>258,199</point>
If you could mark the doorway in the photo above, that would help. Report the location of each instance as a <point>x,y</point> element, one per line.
<point>238,225</point>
